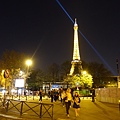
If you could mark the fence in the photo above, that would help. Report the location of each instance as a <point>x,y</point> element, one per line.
<point>28,109</point>
<point>110,95</point>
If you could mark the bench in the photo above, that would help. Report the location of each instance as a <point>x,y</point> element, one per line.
<point>10,117</point>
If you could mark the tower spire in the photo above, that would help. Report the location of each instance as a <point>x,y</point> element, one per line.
<point>76,62</point>
<point>75,22</point>
<point>76,54</point>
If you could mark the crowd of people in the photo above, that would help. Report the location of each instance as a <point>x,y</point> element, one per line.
<point>67,97</point>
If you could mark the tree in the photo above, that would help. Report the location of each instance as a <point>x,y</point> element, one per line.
<point>83,80</point>
<point>100,74</point>
<point>65,69</point>
<point>87,79</point>
<point>53,72</point>
<point>2,79</point>
<point>36,79</point>
<point>14,62</point>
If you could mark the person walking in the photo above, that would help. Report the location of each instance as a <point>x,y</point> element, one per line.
<point>40,96</point>
<point>68,100</point>
<point>76,103</point>
<point>56,95</point>
<point>63,95</point>
<point>52,95</point>
<point>49,93</point>
<point>93,95</point>
<point>60,94</point>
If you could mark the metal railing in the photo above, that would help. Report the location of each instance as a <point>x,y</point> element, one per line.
<point>24,108</point>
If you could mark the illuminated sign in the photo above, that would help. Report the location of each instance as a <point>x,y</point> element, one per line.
<point>19,82</point>
<point>55,86</point>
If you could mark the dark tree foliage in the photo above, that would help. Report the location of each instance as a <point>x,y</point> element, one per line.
<point>36,79</point>
<point>53,72</point>
<point>65,69</point>
<point>85,65</point>
<point>14,62</point>
<point>100,74</point>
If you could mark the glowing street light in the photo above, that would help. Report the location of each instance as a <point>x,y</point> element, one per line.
<point>28,63</point>
<point>84,72</point>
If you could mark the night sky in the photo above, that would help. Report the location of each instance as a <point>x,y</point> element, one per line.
<point>42,29</point>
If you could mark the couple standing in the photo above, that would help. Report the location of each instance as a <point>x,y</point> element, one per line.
<point>76,102</point>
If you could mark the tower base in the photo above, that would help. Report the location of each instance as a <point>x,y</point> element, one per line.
<point>76,67</point>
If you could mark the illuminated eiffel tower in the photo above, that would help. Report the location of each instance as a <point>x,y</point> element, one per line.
<point>76,62</point>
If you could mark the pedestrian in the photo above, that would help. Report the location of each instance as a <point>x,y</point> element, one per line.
<point>8,96</point>
<point>51,95</point>
<point>93,95</point>
<point>63,95</point>
<point>56,95</point>
<point>60,94</point>
<point>68,100</point>
<point>40,96</point>
<point>76,103</point>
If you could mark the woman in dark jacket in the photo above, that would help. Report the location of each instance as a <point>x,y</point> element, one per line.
<point>55,95</point>
<point>76,103</point>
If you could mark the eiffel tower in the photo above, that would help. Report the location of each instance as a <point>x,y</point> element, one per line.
<point>76,62</point>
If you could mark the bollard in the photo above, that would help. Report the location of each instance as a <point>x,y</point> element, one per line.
<point>93,98</point>
<point>26,97</point>
<point>7,105</point>
<point>4,100</point>
<point>119,105</point>
<point>19,96</point>
<point>40,110</point>
<point>33,95</point>
<point>21,110</point>
<point>12,97</point>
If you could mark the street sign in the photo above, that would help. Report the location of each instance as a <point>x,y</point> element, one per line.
<point>6,73</point>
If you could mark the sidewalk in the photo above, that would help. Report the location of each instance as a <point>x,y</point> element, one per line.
<point>89,111</point>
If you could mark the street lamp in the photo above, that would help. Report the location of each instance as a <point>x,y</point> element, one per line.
<point>28,63</point>
<point>84,72</point>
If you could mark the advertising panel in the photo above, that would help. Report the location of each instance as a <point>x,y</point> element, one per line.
<point>19,83</point>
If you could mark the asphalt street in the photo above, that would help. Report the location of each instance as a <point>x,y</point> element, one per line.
<point>89,111</point>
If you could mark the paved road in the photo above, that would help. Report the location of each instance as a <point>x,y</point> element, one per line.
<point>88,111</point>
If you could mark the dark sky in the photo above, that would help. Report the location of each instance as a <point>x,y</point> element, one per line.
<point>28,25</point>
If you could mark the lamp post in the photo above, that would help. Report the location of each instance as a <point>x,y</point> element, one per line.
<point>28,63</point>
